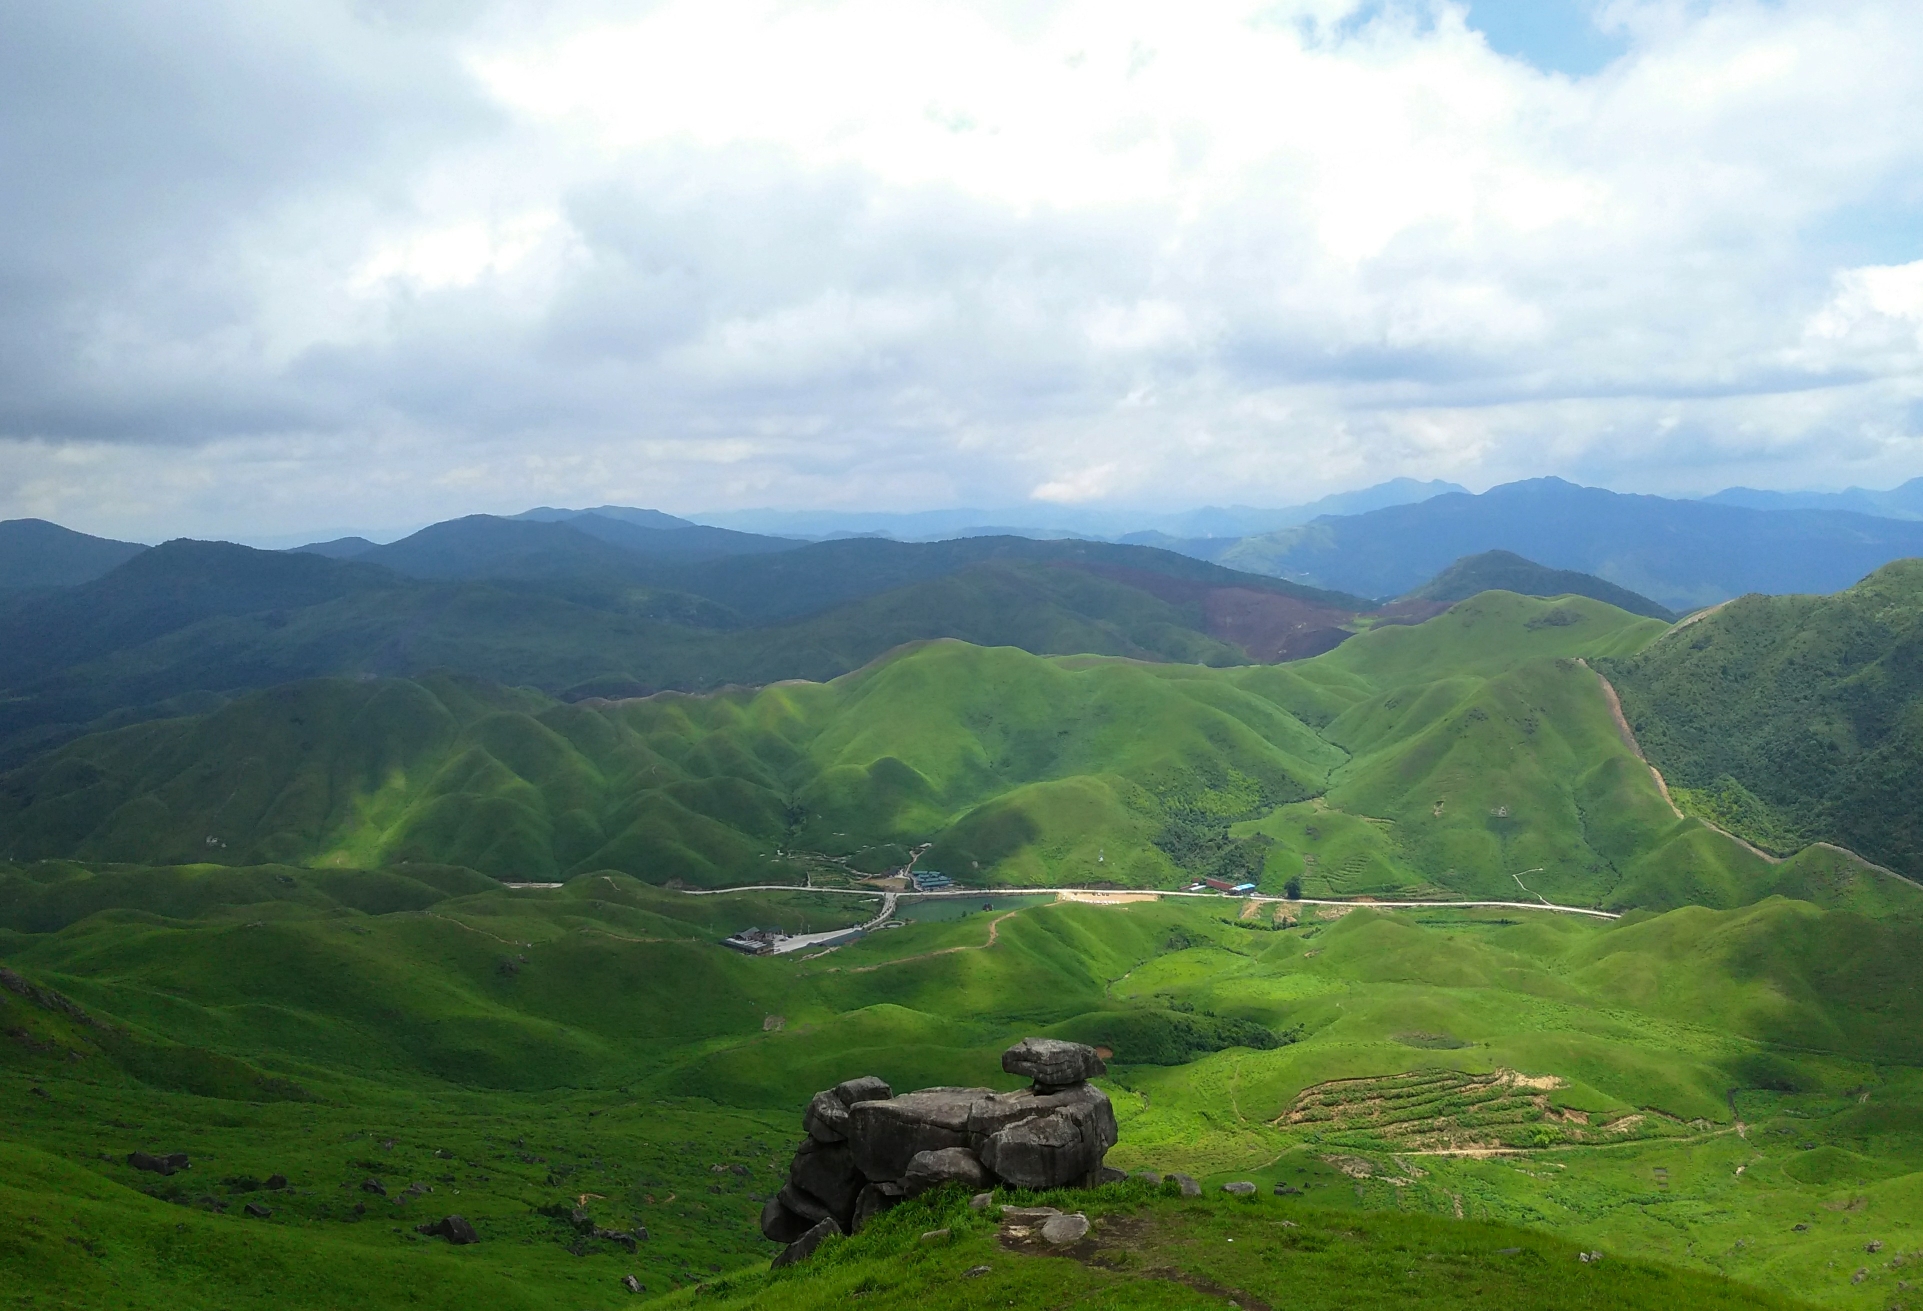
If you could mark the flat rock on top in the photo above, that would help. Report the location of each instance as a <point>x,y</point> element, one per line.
<point>1052,1061</point>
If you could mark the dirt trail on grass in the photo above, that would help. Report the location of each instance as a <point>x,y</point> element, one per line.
<point>994,928</point>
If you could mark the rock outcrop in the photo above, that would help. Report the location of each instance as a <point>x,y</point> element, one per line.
<point>867,1149</point>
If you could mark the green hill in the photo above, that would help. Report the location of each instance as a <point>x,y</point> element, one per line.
<point>1794,719</point>
<point>191,621</point>
<point>527,1053</point>
<point>1508,572</point>
<point>1468,756</point>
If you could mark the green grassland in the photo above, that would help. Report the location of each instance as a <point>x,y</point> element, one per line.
<point>1792,718</point>
<point>1470,755</point>
<point>593,1040</point>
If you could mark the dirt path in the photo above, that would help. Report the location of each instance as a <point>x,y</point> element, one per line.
<point>994,927</point>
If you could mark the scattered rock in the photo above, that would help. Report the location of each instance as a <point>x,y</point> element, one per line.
<point>451,1227</point>
<point>976,1271</point>
<point>1587,1257</point>
<point>1188,1186</point>
<point>1800,1228</point>
<point>1028,1215</point>
<point>275,1181</point>
<point>1508,1251</point>
<point>1053,1063</point>
<point>935,1236</point>
<point>1875,1245</point>
<point>1149,1177</point>
<point>948,1165</point>
<point>1061,1230</point>
<point>632,1284</point>
<point>980,1201</point>
<point>872,1201</point>
<point>1108,1174</point>
<point>1287,1190</point>
<point>804,1247</point>
<point>373,1186</point>
<point>258,1211</point>
<point>1240,1188</point>
<point>167,1164</point>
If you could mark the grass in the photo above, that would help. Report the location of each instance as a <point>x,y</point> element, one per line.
<point>595,1040</point>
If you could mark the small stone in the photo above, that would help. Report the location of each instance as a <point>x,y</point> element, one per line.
<point>1188,1186</point>
<point>1287,1190</point>
<point>980,1201</point>
<point>804,1247</point>
<point>934,1236</point>
<point>1149,1177</point>
<point>275,1181</point>
<point>453,1228</point>
<point>1800,1228</point>
<point>632,1284</point>
<point>1873,1246</point>
<point>1027,1215</point>
<point>162,1165</point>
<point>256,1210</point>
<point>1061,1230</point>
<point>1508,1251</point>
<point>1240,1188</point>
<point>976,1271</point>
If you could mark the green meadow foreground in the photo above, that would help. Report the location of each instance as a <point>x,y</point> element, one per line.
<point>275,937</point>
<point>1725,1092</point>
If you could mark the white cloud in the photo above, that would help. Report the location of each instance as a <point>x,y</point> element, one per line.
<point>913,252</point>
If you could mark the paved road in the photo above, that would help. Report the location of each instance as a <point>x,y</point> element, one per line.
<point>989,894</point>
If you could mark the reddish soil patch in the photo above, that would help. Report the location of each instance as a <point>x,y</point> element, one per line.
<point>1268,625</point>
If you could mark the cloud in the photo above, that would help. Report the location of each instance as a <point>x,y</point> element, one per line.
<point>368,265</point>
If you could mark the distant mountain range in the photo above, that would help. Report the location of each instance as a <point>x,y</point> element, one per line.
<point>1905,502</point>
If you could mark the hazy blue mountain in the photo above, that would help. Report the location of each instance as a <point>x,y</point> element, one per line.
<point>1509,572</point>
<point>340,548</point>
<point>1052,521</point>
<point>625,513</point>
<point>35,553</point>
<point>1682,554</point>
<point>1905,502</point>
<point>486,546</point>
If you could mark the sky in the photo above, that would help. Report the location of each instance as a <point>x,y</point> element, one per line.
<point>344,265</point>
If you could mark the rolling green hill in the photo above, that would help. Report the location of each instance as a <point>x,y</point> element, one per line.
<point>190,622</point>
<point>525,1053</point>
<point>1793,719</point>
<point>1472,755</point>
<point>1509,572</point>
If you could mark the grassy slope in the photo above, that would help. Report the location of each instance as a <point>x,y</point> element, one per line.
<point>1794,718</point>
<point>1509,572</point>
<point>594,1040</point>
<point>1469,755</point>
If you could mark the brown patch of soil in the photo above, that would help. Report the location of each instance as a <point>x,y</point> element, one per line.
<point>1269,626</point>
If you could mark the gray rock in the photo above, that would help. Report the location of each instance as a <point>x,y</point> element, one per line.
<point>946,1165</point>
<point>865,1089</point>
<point>826,1118</point>
<point>373,1186</point>
<point>1188,1186</point>
<point>167,1164</point>
<point>275,1181</point>
<point>1061,1230</point>
<point>453,1228</point>
<point>803,1204</point>
<point>886,1135</point>
<point>826,1172</point>
<point>872,1201</point>
<point>980,1201</point>
<point>632,1284</point>
<point>804,1247</point>
<point>1240,1188</point>
<point>1287,1190</point>
<point>1149,1177</point>
<point>1059,1148</point>
<point>1052,1063</point>
<point>1027,1215</point>
<point>976,1271</point>
<point>1108,1174</point>
<point>780,1225</point>
<point>256,1210</point>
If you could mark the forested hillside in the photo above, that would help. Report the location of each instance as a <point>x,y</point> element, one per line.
<point>1790,719</point>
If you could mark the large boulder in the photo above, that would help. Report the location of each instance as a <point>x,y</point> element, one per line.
<point>873,1200</point>
<point>781,1225</point>
<point>1060,1147</point>
<point>887,1135</point>
<point>804,1247</point>
<point>826,1172</point>
<point>1053,1063</point>
<point>826,1118</point>
<point>865,1089</point>
<point>944,1166</point>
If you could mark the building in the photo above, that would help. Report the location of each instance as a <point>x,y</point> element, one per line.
<point>932,882</point>
<point>754,942</point>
